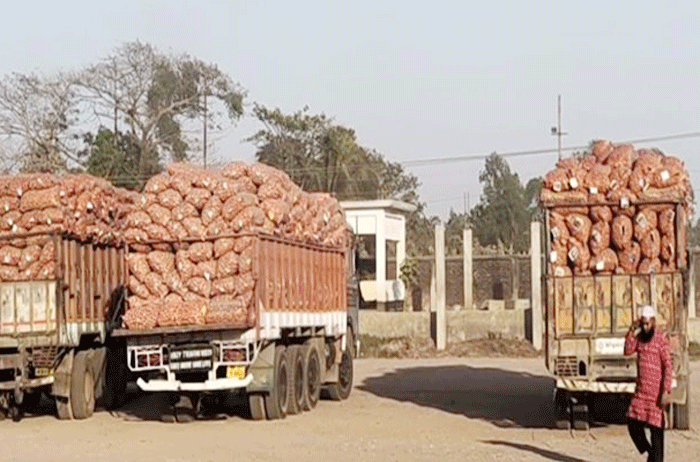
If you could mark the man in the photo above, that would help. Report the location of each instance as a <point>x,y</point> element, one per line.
<point>654,374</point>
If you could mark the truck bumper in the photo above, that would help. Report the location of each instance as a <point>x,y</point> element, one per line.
<point>207,385</point>
<point>599,387</point>
<point>28,383</point>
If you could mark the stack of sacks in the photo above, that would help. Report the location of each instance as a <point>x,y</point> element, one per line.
<point>178,283</point>
<point>88,208</point>
<point>608,224</point>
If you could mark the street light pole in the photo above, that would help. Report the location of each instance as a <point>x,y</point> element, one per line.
<point>557,130</point>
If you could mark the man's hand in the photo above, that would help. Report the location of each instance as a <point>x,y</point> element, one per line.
<point>636,326</point>
<point>665,399</point>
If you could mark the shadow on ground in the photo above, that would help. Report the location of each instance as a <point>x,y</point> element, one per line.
<point>502,397</point>
<point>545,453</point>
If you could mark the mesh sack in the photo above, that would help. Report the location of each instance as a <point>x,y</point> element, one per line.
<point>644,222</point>
<point>597,180</point>
<point>155,285</point>
<point>223,246</point>
<point>194,227</point>
<point>198,197</point>
<point>199,286</point>
<point>157,184</point>
<point>161,262</point>
<point>248,219</point>
<point>32,271</point>
<point>224,286</point>
<point>672,172</point>
<point>245,260</point>
<point>235,170</point>
<point>579,227</point>
<point>243,243</point>
<point>138,265</point>
<point>605,262</point>
<point>261,174</point>
<point>173,281</point>
<point>142,316</point>
<point>621,157</point>
<point>211,210</point>
<point>48,270</point>
<point>181,183</point>
<point>135,235</point>
<point>236,204</point>
<point>184,210</point>
<point>277,211</point>
<point>244,185</point>
<point>228,265</point>
<point>246,282</point>
<point>30,255</point>
<point>566,197</point>
<point>601,150</point>
<point>620,178</point>
<point>651,244</point>
<point>625,198</point>
<point>169,198</point>
<point>271,190</point>
<point>650,265</point>
<point>8,203</point>
<point>137,288</point>
<point>206,269</point>
<point>668,248</point>
<point>560,271</point>
<point>9,273</point>
<point>600,238</point>
<point>201,251</point>
<point>177,230</point>
<point>622,231</point>
<point>184,265</point>
<point>40,199</point>
<point>629,258</point>
<point>159,214</point>
<point>224,189</point>
<point>191,313</point>
<point>218,227</point>
<point>139,219</point>
<point>48,252</point>
<point>168,314</point>
<point>579,256</point>
<point>157,232</point>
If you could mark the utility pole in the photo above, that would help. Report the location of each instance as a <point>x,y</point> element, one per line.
<point>557,130</point>
<point>205,131</point>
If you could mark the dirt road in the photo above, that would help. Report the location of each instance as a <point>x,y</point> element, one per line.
<point>401,410</point>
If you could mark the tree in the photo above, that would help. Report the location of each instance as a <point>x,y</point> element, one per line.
<point>454,232</point>
<point>115,157</point>
<point>154,94</point>
<point>503,214</point>
<point>36,120</point>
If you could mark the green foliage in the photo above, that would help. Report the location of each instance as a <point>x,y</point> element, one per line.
<point>454,233</point>
<point>408,272</point>
<point>502,217</point>
<point>117,160</point>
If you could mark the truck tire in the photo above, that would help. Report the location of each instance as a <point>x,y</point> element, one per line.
<point>341,389</point>
<point>82,388</point>
<point>256,404</point>
<point>681,414</point>
<point>277,401</point>
<point>296,372</point>
<point>312,377</point>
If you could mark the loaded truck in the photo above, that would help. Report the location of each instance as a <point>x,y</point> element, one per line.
<point>609,255</point>
<point>54,327</point>
<point>298,342</point>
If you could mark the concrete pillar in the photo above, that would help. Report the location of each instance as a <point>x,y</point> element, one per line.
<point>381,262</point>
<point>468,270</point>
<point>536,280</point>
<point>692,308</point>
<point>440,292</point>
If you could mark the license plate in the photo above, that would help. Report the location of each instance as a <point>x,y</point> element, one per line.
<point>235,372</point>
<point>610,346</point>
<point>42,371</point>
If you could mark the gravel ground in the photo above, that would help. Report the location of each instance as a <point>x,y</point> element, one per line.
<point>461,409</point>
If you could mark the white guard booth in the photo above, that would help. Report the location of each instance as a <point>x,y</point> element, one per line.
<point>386,221</point>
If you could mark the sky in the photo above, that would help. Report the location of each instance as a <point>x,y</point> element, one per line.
<point>415,80</point>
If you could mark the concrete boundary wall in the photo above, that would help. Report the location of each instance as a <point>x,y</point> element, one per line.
<point>461,325</point>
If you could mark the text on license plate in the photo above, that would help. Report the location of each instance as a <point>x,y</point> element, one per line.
<point>235,372</point>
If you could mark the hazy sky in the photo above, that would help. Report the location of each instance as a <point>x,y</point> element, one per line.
<point>416,80</point>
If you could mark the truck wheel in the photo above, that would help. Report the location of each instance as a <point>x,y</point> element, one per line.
<point>82,387</point>
<point>312,377</point>
<point>341,389</point>
<point>562,411</point>
<point>277,401</point>
<point>183,410</point>
<point>681,413</point>
<point>16,413</point>
<point>256,403</point>
<point>296,370</point>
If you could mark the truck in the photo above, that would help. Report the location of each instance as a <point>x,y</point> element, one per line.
<point>54,327</point>
<point>299,342</point>
<point>587,317</point>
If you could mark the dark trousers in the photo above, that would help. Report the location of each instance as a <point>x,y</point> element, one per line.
<point>655,449</point>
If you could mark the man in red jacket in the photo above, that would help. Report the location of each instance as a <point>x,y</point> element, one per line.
<point>654,375</point>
